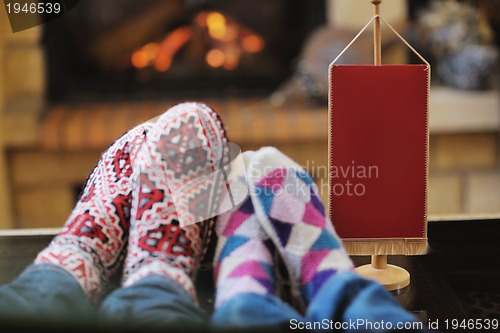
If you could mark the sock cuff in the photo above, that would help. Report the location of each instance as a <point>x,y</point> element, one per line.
<point>164,269</point>
<point>81,265</point>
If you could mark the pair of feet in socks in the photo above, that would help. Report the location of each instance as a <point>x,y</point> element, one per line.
<point>127,222</point>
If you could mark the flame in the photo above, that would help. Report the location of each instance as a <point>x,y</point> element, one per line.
<point>228,39</point>
<point>172,43</point>
<point>252,43</point>
<point>232,57</point>
<point>215,58</point>
<point>139,59</point>
<point>161,55</point>
<point>163,63</point>
<point>232,32</point>
<point>151,50</point>
<point>216,24</point>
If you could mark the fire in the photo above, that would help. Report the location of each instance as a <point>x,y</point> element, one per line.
<point>228,41</point>
<point>215,58</point>
<point>151,50</point>
<point>253,43</point>
<point>139,59</point>
<point>216,24</point>
<point>170,45</point>
<point>145,55</point>
<point>163,63</point>
<point>231,60</point>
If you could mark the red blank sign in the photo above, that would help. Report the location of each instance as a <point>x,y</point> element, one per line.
<point>378,150</point>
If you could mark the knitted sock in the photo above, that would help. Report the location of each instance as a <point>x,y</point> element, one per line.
<point>287,205</point>
<point>243,261</point>
<point>186,143</point>
<point>91,244</point>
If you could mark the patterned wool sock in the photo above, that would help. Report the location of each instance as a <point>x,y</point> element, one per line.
<point>243,261</point>
<point>287,205</point>
<point>91,244</point>
<point>187,142</point>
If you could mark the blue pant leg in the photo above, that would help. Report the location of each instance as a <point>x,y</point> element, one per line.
<point>252,311</point>
<point>44,292</point>
<point>155,301</point>
<point>360,305</point>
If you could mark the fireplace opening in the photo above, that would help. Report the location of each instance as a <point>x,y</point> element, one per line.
<point>128,49</point>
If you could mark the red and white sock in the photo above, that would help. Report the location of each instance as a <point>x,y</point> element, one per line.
<point>186,143</point>
<point>91,244</point>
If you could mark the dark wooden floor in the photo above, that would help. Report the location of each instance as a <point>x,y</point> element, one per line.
<point>458,279</point>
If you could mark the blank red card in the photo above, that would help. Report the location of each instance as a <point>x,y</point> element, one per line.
<point>378,150</point>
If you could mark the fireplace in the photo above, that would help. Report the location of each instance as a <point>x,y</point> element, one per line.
<point>128,49</point>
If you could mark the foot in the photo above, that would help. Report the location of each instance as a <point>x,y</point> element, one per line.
<point>186,143</point>
<point>288,207</point>
<point>243,261</point>
<point>91,244</point>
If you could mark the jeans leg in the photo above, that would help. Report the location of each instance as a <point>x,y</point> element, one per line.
<point>155,301</point>
<point>43,292</point>
<point>344,299</point>
<point>348,298</point>
<point>251,311</point>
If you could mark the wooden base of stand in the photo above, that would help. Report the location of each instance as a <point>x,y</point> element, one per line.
<point>390,276</point>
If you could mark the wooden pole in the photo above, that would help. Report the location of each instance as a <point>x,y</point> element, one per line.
<point>378,261</point>
<point>377,40</point>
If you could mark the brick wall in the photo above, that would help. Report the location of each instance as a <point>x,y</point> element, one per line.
<point>464,152</point>
<point>464,174</point>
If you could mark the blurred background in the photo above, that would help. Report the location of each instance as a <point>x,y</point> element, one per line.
<point>70,87</point>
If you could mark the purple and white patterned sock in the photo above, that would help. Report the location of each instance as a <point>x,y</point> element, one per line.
<point>243,261</point>
<point>288,206</point>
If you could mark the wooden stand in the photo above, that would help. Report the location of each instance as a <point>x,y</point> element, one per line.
<point>390,276</point>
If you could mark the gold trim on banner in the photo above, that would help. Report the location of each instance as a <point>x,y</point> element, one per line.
<point>386,246</point>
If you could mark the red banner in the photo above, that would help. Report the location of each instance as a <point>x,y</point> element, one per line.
<point>379,150</point>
